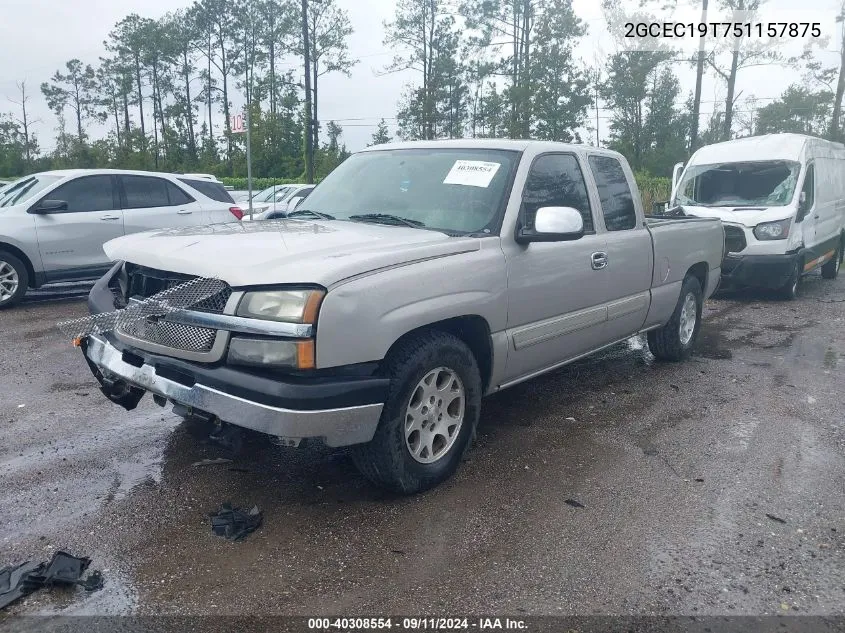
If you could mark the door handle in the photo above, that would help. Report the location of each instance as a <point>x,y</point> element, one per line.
<point>110,217</point>
<point>184,212</point>
<point>598,260</point>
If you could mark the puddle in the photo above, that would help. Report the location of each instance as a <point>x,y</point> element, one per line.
<point>831,359</point>
<point>128,475</point>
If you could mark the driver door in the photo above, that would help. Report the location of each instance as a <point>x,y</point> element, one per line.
<point>557,291</point>
<point>71,241</point>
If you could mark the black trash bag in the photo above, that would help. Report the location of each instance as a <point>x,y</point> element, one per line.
<point>234,523</point>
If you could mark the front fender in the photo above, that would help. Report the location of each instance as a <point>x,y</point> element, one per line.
<point>361,319</point>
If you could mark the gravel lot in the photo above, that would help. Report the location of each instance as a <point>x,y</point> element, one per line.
<point>617,485</point>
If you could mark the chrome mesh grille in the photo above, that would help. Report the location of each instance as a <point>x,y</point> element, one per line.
<point>143,282</point>
<point>188,338</point>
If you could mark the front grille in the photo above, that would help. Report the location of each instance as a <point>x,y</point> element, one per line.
<point>187,338</point>
<point>141,283</point>
<point>734,239</point>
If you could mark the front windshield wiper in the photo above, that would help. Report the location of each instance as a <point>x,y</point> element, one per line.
<point>316,214</point>
<point>386,218</point>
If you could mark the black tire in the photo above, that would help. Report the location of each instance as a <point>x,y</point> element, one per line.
<point>9,260</point>
<point>386,460</point>
<point>666,343</point>
<point>789,291</point>
<point>831,269</point>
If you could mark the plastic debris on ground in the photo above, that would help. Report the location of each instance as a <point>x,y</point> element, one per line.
<point>234,523</point>
<point>17,581</point>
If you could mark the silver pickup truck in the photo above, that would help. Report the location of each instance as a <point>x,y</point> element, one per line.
<point>416,279</point>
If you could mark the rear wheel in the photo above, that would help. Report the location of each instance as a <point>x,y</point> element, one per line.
<point>675,340</point>
<point>432,409</point>
<point>14,280</point>
<point>831,269</point>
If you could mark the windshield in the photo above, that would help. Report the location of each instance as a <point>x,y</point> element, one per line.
<point>269,194</point>
<point>764,183</point>
<point>453,190</point>
<point>22,190</point>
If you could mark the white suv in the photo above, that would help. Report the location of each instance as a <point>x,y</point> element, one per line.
<point>53,224</point>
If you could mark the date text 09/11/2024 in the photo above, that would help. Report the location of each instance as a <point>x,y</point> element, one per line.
<point>414,624</point>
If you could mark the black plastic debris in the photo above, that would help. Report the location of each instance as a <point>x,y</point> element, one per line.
<point>774,518</point>
<point>234,523</point>
<point>574,503</point>
<point>16,581</point>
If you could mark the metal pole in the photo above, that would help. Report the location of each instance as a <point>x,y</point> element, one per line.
<point>249,159</point>
<point>699,73</point>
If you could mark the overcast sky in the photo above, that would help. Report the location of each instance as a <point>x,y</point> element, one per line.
<point>38,36</point>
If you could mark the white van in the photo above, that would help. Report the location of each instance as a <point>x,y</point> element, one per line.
<point>781,199</point>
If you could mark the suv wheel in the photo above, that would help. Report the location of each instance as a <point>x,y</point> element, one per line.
<point>675,340</point>
<point>14,280</point>
<point>432,409</point>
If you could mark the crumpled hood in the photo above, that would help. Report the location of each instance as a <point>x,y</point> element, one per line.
<point>745,216</point>
<point>284,251</point>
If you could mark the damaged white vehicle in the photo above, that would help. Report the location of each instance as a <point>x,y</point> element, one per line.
<point>414,280</point>
<point>781,198</point>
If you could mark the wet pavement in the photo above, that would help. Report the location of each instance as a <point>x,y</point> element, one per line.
<point>618,485</point>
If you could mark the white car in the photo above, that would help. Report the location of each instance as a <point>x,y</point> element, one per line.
<point>285,202</point>
<point>53,224</point>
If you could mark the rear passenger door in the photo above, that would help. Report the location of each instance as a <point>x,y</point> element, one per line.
<point>628,247</point>
<point>154,203</point>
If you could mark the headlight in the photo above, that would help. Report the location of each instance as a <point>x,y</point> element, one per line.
<point>290,306</point>
<point>268,352</point>
<point>773,230</point>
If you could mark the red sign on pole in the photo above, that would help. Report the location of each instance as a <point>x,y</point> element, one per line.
<point>238,123</point>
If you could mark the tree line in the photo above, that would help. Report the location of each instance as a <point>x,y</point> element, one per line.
<point>165,88</point>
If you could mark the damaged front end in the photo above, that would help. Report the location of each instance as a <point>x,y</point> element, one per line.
<point>117,390</point>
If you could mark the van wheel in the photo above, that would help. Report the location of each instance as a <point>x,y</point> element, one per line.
<point>429,419</point>
<point>675,340</point>
<point>831,269</point>
<point>789,290</point>
<point>14,280</point>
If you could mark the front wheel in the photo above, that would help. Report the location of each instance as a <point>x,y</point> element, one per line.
<point>789,290</point>
<point>831,269</point>
<point>14,280</point>
<point>675,340</point>
<point>432,409</point>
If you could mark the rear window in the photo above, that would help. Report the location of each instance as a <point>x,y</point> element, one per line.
<point>214,190</point>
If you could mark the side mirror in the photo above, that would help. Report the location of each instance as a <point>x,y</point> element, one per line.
<point>802,200</point>
<point>49,206</point>
<point>553,224</point>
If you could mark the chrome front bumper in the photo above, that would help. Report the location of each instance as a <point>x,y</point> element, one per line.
<point>336,427</point>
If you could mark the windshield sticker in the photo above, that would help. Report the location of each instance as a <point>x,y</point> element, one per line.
<point>472,173</point>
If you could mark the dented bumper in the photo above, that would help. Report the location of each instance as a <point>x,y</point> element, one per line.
<point>125,377</point>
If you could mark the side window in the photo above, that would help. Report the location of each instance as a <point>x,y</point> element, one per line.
<point>556,180</point>
<point>176,195</point>
<point>214,190</point>
<point>89,193</point>
<point>617,203</point>
<point>809,188</point>
<point>143,192</point>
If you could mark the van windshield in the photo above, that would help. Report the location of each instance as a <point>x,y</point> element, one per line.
<point>763,183</point>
